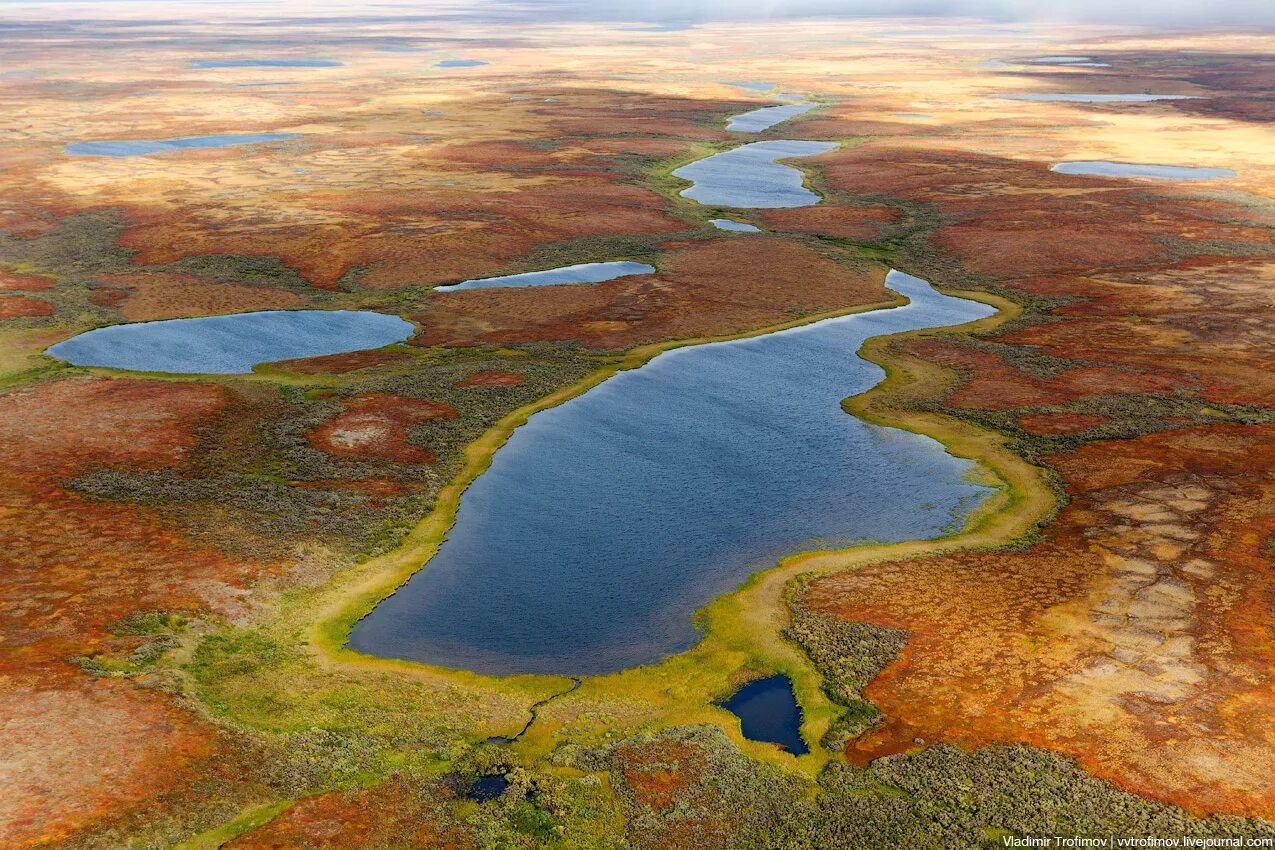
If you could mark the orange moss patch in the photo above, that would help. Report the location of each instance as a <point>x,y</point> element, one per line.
<point>490,378</point>
<point>394,814</point>
<point>1059,423</point>
<point>856,223</point>
<point>375,425</point>
<point>145,297</point>
<point>16,307</point>
<point>1134,638</point>
<point>81,751</point>
<point>11,281</point>
<point>337,364</point>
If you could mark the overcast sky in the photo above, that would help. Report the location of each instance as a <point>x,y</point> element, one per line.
<point>1207,13</point>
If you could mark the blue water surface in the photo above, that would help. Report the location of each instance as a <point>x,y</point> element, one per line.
<point>1095,98</point>
<point>749,176</point>
<point>581,273</point>
<point>766,117</point>
<point>460,63</point>
<point>1105,168</point>
<point>603,523</point>
<point>730,224</point>
<point>231,344</point>
<point>206,64</point>
<point>142,147</point>
<point>768,711</point>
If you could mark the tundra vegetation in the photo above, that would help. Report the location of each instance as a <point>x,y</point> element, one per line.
<point>1091,653</point>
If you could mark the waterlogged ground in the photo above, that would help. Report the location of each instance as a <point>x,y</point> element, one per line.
<point>171,544</point>
<point>665,487</point>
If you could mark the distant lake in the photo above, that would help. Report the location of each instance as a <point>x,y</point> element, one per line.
<point>460,63</point>
<point>729,224</point>
<point>580,273</point>
<point>749,176</point>
<point>1097,98</point>
<point>231,344</point>
<point>1104,168</point>
<point>766,117</point>
<point>768,711</point>
<point>206,64</point>
<point>142,147</point>
<point>603,523</point>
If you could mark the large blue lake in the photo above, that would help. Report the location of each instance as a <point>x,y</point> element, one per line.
<point>233,344</point>
<point>605,522</point>
<point>749,176</point>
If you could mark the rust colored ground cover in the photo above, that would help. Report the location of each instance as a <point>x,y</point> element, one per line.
<point>15,307</point>
<point>1131,638</point>
<point>701,289</point>
<point>375,425</point>
<point>81,750</point>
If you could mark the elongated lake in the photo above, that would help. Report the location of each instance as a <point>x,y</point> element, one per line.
<point>230,345</point>
<point>766,117</point>
<point>1105,168</point>
<point>143,147</point>
<point>605,522</point>
<point>580,273</point>
<point>750,176</point>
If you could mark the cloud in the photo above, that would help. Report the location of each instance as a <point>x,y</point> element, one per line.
<point>1169,13</point>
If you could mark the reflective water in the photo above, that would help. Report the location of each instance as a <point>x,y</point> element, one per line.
<point>737,226</point>
<point>602,524</point>
<point>1105,168</point>
<point>766,117</point>
<point>205,64</point>
<point>768,711</point>
<point>749,176</point>
<point>142,147</point>
<point>460,63</point>
<point>581,273</point>
<point>231,344</point>
<point>1096,98</point>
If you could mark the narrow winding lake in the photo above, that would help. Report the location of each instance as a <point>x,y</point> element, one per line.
<point>750,176</point>
<point>605,522</point>
<point>766,117</point>
<point>230,345</point>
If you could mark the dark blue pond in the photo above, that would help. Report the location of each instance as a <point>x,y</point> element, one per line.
<point>768,711</point>
<point>766,117</point>
<point>486,788</point>
<point>749,176</point>
<point>142,147</point>
<point>605,522</point>
<point>230,345</point>
<point>206,64</point>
